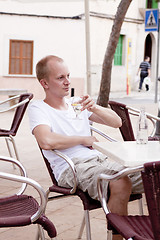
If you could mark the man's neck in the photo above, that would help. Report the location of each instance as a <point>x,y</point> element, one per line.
<point>57,103</point>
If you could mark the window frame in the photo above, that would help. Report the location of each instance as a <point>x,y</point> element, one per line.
<point>118,56</point>
<point>21,57</point>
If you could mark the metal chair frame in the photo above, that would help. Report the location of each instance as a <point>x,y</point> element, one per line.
<point>127,121</point>
<point>145,227</point>
<point>26,181</point>
<point>73,191</point>
<point>101,195</point>
<point>9,134</point>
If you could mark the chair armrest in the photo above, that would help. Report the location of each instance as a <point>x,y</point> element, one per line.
<point>104,177</point>
<point>35,185</point>
<point>15,105</point>
<point>22,171</point>
<point>71,165</point>
<point>151,117</point>
<point>102,134</point>
<point>9,99</point>
<point>137,111</point>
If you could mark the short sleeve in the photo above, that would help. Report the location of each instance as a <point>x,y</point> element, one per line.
<point>149,65</point>
<point>37,115</point>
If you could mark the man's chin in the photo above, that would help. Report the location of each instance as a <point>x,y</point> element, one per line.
<point>67,93</point>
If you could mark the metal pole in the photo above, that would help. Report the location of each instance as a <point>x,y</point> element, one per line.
<point>88,57</point>
<point>157,133</point>
<point>157,67</point>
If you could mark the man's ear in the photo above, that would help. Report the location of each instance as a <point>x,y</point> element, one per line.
<point>44,83</point>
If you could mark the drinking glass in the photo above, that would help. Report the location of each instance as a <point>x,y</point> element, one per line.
<point>76,106</point>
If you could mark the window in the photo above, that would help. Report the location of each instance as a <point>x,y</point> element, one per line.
<point>151,4</point>
<point>118,52</point>
<point>21,57</point>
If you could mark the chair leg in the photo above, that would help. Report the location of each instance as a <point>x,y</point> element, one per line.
<point>9,149</point>
<point>37,235</point>
<point>81,228</point>
<point>14,147</point>
<point>88,227</point>
<point>40,233</point>
<point>109,234</point>
<point>140,206</point>
<point>86,220</point>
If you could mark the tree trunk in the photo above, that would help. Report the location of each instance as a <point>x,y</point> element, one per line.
<point>109,54</point>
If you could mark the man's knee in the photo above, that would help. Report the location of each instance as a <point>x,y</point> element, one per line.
<point>122,187</point>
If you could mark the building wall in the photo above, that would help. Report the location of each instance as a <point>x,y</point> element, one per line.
<point>65,37</point>
<point>133,30</point>
<point>50,36</point>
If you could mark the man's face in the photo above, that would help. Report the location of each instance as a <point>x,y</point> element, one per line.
<point>148,59</point>
<point>58,82</point>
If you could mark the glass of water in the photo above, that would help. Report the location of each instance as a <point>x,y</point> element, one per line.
<point>76,106</point>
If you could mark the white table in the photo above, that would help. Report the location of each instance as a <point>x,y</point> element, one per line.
<point>129,153</point>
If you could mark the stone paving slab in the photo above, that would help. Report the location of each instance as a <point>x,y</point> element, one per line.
<point>65,213</point>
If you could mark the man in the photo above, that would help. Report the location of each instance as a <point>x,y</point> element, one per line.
<point>145,71</point>
<point>54,127</point>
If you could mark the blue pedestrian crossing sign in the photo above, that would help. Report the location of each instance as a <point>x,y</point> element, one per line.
<point>151,20</point>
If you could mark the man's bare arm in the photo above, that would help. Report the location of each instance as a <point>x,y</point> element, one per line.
<point>101,114</point>
<point>105,116</point>
<point>49,140</point>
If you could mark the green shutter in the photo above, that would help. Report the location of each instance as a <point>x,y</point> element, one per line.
<point>151,4</point>
<point>154,4</point>
<point>118,52</point>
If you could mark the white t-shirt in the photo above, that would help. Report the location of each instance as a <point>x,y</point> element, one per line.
<point>62,122</point>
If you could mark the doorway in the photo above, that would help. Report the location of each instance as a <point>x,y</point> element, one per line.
<point>148,47</point>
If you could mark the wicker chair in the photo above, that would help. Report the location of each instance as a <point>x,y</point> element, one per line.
<point>20,210</point>
<point>88,203</point>
<point>126,129</point>
<point>20,108</point>
<point>145,227</point>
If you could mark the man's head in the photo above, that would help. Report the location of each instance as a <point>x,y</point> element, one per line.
<point>53,74</point>
<point>147,59</point>
<point>42,67</point>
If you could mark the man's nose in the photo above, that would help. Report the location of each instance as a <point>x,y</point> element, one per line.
<point>67,80</point>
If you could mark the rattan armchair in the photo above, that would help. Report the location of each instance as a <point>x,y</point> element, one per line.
<point>19,111</point>
<point>145,227</point>
<point>20,210</point>
<point>88,203</point>
<point>126,129</point>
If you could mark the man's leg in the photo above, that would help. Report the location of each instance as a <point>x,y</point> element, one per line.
<point>120,192</point>
<point>147,87</point>
<point>141,82</point>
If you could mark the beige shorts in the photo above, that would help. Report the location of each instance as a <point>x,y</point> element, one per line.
<point>88,171</point>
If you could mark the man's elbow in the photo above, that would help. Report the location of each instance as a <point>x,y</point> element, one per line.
<point>45,145</point>
<point>118,123</point>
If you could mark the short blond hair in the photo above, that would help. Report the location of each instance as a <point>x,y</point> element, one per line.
<point>42,69</point>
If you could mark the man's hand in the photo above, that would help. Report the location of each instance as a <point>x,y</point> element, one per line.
<point>87,103</point>
<point>88,141</point>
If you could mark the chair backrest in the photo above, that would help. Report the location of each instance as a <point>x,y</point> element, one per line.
<point>49,169</point>
<point>55,187</point>
<point>19,113</point>
<point>126,128</point>
<point>151,182</point>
